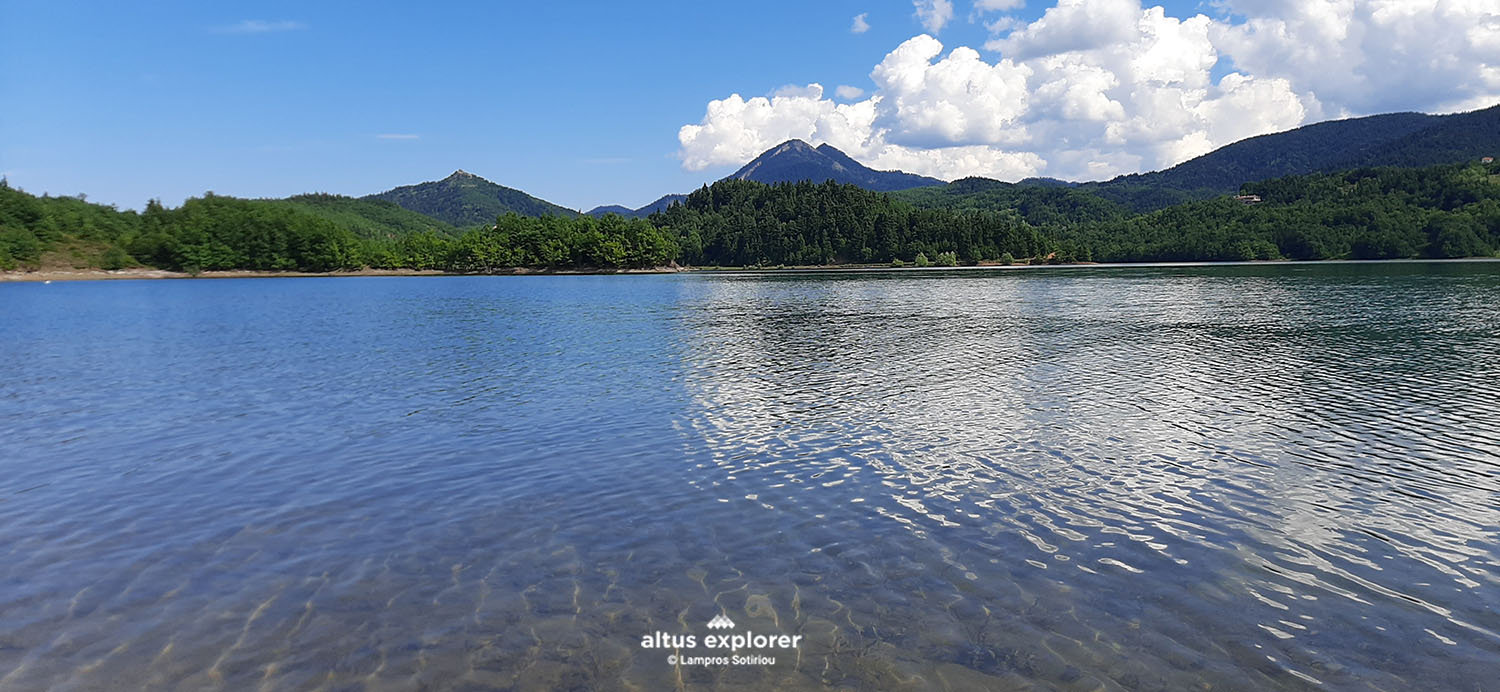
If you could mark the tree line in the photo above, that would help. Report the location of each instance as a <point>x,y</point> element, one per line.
<point>220,233</point>
<point>1370,213</point>
<point>744,223</point>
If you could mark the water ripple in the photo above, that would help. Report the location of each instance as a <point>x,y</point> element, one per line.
<point>1245,477</point>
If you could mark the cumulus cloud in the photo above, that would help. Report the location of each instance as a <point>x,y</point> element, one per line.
<point>860,25</point>
<point>958,100</point>
<point>933,14</point>
<point>1364,56</point>
<point>1072,25</point>
<point>736,129</point>
<point>848,93</point>
<point>1096,88</point>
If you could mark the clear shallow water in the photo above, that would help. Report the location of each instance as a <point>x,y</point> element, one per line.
<point>1268,477</point>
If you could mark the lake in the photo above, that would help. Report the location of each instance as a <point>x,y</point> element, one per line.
<point>1231,477</point>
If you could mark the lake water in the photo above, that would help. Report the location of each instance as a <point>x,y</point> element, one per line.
<point>1235,477</point>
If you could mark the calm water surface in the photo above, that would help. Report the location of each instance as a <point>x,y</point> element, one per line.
<point>1270,477</point>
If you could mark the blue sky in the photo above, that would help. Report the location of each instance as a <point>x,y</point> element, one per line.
<point>577,103</point>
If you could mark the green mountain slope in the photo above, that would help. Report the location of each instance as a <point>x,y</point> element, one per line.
<point>61,232</point>
<point>1039,204</point>
<point>1455,138</point>
<point>1394,139</point>
<point>661,204</point>
<point>742,222</point>
<point>464,199</point>
<point>1294,152</point>
<point>1368,213</point>
<point>205,233</point>
<point>366,218</point>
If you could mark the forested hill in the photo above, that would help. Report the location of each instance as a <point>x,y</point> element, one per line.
<point>740,223</point>
<point>366,218</point>
<point>1368,213</point>
<point>210,232</point>
<point>219,233</point>
<point>464,199</point>
<point>1437,211</point>
<point>1038,204</point>
<point>660,204</point>
<point>1395,139</point>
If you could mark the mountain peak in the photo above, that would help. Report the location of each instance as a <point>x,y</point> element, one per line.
<point>795,160</point>
<point>660,204</point>
<point>464,199</point>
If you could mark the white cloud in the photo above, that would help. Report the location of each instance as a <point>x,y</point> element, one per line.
<point>1096,88</point>
<point>958,100</point>
<point>1372,55</point>
<point>398,136</point>
<point>1072,25</point>
<point>261,26</point>
<point>860,25</point>
<point>957,162</point>
<point>998,5</point>
<point>933,14</point>
<point>848,93</point>
<point>736,129</point>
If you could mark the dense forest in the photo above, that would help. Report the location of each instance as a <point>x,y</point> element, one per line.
<point>218,233</point>
<point>368,218</point>
<point>1371,213</point>
<point>743,223</point>
<point>611,242</point>
<point>1377,213</point>
<point>1037,204</point>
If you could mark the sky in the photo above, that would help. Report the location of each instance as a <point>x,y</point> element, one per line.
<point>584,104</point>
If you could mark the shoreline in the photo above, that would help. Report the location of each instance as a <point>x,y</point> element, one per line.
<point>1086,265</point>
<point>143,273</point>
<point>139,273</point>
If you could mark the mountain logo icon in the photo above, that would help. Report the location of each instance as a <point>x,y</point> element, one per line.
<point>721,622</point>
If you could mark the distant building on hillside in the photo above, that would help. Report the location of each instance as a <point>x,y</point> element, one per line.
<point>1487,159</point>
<point>1247,199</point>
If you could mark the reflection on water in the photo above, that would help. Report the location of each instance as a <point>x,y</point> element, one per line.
<point>1276,477</point>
